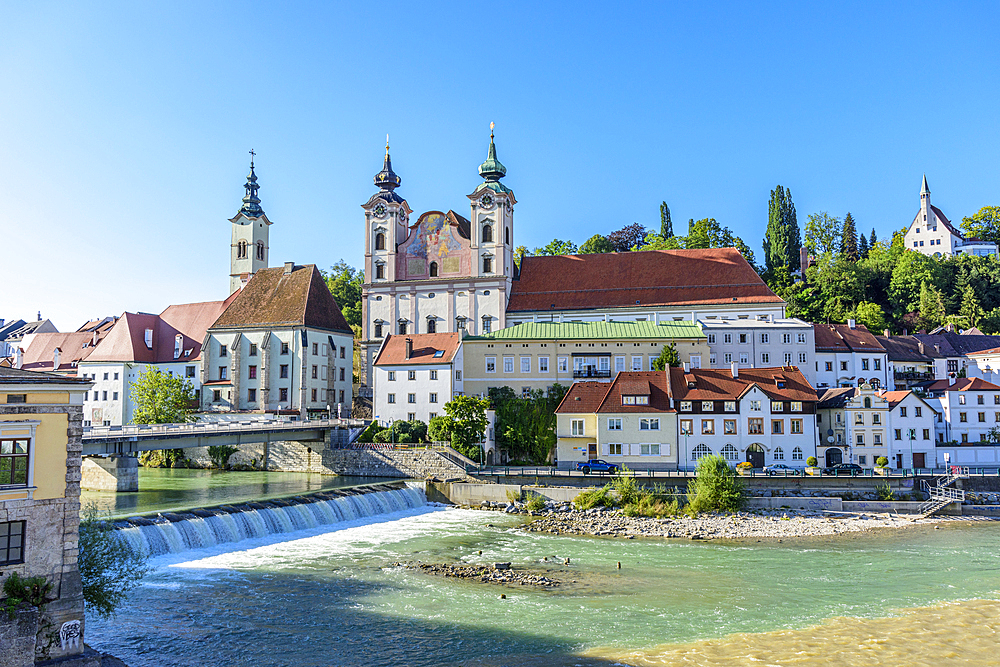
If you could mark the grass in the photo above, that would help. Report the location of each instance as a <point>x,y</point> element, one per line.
<point>633,499</point>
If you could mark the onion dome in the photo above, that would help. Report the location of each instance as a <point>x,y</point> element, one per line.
<point>251,202</point>
<point>387,180</point>
<point>492,170</point>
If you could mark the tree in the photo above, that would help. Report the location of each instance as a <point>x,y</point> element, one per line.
<point>715,487</point>
<point>931,306</point>
<point>823,233</point>
<point>525,424</point>
<point>345,282</point>
<point>440,428</point>
<point>668,357</point>
<point>971,309</point>
<point>849,239</point>
<point>628,237</point>
<point>160,398</point>
<point>984,225</point>
<point>873,240</point>
<point>109,566</point>
<point>870,315</point>
<point>596,244</point>
<point>519,252</point>
<point>862,246</point>
<point>666,226</point>
<point>469,415</point>
<point>782,238</point>
<point>557,247</point>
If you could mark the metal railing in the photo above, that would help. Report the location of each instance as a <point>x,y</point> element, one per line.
<point>548,471</point>
<point>591,373</point>
<point>211,428</point>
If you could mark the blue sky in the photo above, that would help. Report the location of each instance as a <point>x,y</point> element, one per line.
<point>124,127</point>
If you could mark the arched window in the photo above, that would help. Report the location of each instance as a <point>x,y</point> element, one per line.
<point>779,454</point>
<point>434,269</point>
<point>241,250</point>
<point>700,451</point>
<point>868,402</point>
<point>431,325</point>
<point>874,383</point>
<point>487,265</point>
<point>380,241</point>
<point>260,250</point>
<point>729,453</point>
<point>379,271</point>
<point>487,234</point>
<point>797,454</point>
<point>506,235</point>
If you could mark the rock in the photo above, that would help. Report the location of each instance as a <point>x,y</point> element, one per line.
<point>501,566</point>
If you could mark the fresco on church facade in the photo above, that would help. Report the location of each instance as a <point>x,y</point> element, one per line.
<point>433,239</point>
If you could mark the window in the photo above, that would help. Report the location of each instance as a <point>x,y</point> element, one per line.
<point>96,394</point>
<point>777,426</point>
<point>216,396</point>
<point>252,372</point>
<point>707,406</point>
<point>380,271</point>
<point>797,454</point>
<point>223,351</point>
<point>877,363</point>
<point>898,434</point>
<point>635,400</point>
<point>431,325</point>
<point>796,427</point>
<point>965,437</point>
<point>508,364</point>
<point>902,411</point>
<point>614,424</point>
<point>434,375</point>
<point>251,395</point>
<point>876,419</point>
<point>104,397</point>
<point>380,241</point>
<point>843,365</point>
<point>563,364</point>
<point>727,338</point>
<point>744,358</point>
<point>829,366</point>
<point>982,416</point>
<point>241,250</point>
<point>963,417</point>
<point>755,426</point>
<point>862,460</point>
<point>649,450</point>
<point>918,411</point>
<point>743,339</point>
<point>188,372</point>
<point>755,406</point>
<point>283,371</point>
<point>779,454</point>
<point>253,350</point>
<point>313,396</point>
<point>729,453</point>
<point>433,398</point>
<point>431,415</point>
<point>961,399</point>
<point>487,265</point>
<point>576,426</point>
<point>686,406</point>
<point>788,358</point>
<point>114,396</point>
<point>859,418</point>
<point>864,364</point>
<point>392,376</point>
<point>711,339</point>
<point>192,375</point>
<point>260,250</point>
<point>649,424</point>
<point>283,395</point>
<point>284,348</point>
<point>927,434</point>
<point>411,375</point>
<point>491,364</point>
<point>106,377</point>
<point>729,406</point>
<point>434,269</point>
<point>341,374</point>
<point>487,324</point>
<point>700,451</point>
<point>729,426</point>
<point>222,373</point>
<point>764,338</point>
<point>687,427</point>
<point>14,461</point>
<point>543,364</point>
<point>402,327</point>
<point>777,406</point>
<point>391,398</point>
<point>525,364</point>
<point>12,542</point>
<point>861,439</point>
<point>615,450</point>
<point>802,338</point>
<point>708,427</point>
<point>877,438</point>
<point>979,398</point>
<point>636,363</point>
<point>796,406</point>
<point>802,357</point>
<point>410,416</point>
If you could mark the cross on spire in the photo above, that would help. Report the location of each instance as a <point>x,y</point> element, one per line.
<point>252,154</point>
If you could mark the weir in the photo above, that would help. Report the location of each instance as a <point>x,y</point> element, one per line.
<point>175,532</point>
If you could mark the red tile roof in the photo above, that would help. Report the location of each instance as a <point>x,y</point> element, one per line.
<point>425,346</point>
<point>963,384</point>
<point>719,384</point>
<point>842,338</point>
<point>272,298</point>
<point>894,397</point>
<point>648,278</point>
<point>583,397</point>
<point>638,383</point>
<point>73,348</point>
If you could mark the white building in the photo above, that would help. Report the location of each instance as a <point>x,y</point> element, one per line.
<point>969,409</point>
<point>282,345</point>
<point>931,233</point>
<point>415,375</point>
<point>866,418</point>
<point>911,431</point>
<point>761,342</point>
<point>848,355</point>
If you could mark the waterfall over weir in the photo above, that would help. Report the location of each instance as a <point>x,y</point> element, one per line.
<point>172,532</point>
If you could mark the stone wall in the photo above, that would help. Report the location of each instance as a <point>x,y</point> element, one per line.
<point>17,638</point>
<point>113,473</point>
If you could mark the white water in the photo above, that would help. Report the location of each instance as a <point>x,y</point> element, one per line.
<point>172,537</point>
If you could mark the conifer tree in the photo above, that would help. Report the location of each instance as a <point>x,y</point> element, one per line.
<point>782,238</point>
<point>873,240</point>
<point>849,239</point>
<point>666,226</point>
<point>862,246</point>
<point>971,308</point>
<point>931,306</point>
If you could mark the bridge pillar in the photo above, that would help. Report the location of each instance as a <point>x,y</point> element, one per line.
<point>114,473</point>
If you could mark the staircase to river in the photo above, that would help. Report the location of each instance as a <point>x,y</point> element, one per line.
<point>941,494</point>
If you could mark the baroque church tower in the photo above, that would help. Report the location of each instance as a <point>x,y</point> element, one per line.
<point>442,272</point>
<point>249,248</point>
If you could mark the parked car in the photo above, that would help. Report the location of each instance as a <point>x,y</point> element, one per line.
<point>597,465</point>
<point>847,469</point>
<point>782,469</point>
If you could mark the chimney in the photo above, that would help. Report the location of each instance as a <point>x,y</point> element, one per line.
<point>288,267</point>
<point>56,353</point>
<point>852,324</point>
<point>937,348</point>
<point>904,332</point>
<point>951,379</point>
<point>886,333</point>
<point>409,348</point>
<point>39,316</point>
<point>18,358</point>
<point>94,341</point>
<point>736,370</point>
<point>687,368</point>
<point>920,347</point>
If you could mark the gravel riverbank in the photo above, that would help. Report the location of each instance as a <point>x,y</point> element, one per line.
<point>497,573</point>
<point>561,519</point>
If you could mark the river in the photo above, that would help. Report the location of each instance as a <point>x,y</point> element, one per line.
<point>329,596</point>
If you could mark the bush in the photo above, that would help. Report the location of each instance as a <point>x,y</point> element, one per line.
<point>163,458</point>
<point>535,503</point>
<point>512,496</point>
<point>109,566</point>
<point>882,462</point>
<point>25,591</point>
<point>884,492</point>
<point>812,462</point>
<point>220,455</point>
<point>627,487</point>
<point>417,430</point>
<point>601,497</point>
<point>440,428</point>
<point>715,487</point>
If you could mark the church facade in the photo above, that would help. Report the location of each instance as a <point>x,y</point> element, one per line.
<point>931,233</point>
<point>440,272</point>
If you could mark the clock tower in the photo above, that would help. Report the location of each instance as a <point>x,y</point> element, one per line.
<point>249,247</point>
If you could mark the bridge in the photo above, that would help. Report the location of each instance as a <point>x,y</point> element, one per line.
<point>120,440</point>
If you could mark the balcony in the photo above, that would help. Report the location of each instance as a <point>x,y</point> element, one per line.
<point>590,373</point>
<point>912,375</point>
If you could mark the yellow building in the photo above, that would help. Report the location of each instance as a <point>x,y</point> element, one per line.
<point>40,455</point>
<point>536,355</point>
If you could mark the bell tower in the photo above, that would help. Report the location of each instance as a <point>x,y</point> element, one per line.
<point>492,218</point>
<point>249,248</point>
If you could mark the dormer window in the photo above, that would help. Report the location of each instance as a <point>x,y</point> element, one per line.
<point>635,400</point>
<point>687,406</point>
<point>178,345</point>
<point>149,338</point>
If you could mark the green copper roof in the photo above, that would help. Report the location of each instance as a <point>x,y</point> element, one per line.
<point>594,331</point>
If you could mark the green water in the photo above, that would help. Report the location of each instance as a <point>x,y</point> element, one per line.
<point>331,597</point>
<point>175,489</point>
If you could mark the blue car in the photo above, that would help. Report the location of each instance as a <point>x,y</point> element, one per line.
<point>597,465</point>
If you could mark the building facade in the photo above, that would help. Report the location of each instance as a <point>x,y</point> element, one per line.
<point>967,409</point>
<point>931,233</point>
<point>849,355</point>
<point>911,431</point>
<point>761,342</point>
<point>415,375</point>
<point>442,272</point>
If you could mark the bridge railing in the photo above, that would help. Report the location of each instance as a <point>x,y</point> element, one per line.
<point>140,430</point>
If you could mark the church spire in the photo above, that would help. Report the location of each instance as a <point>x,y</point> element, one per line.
<point>387,180</point>
<point>924,190</point>
<point>251,202</point>
<point>492,170</point>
